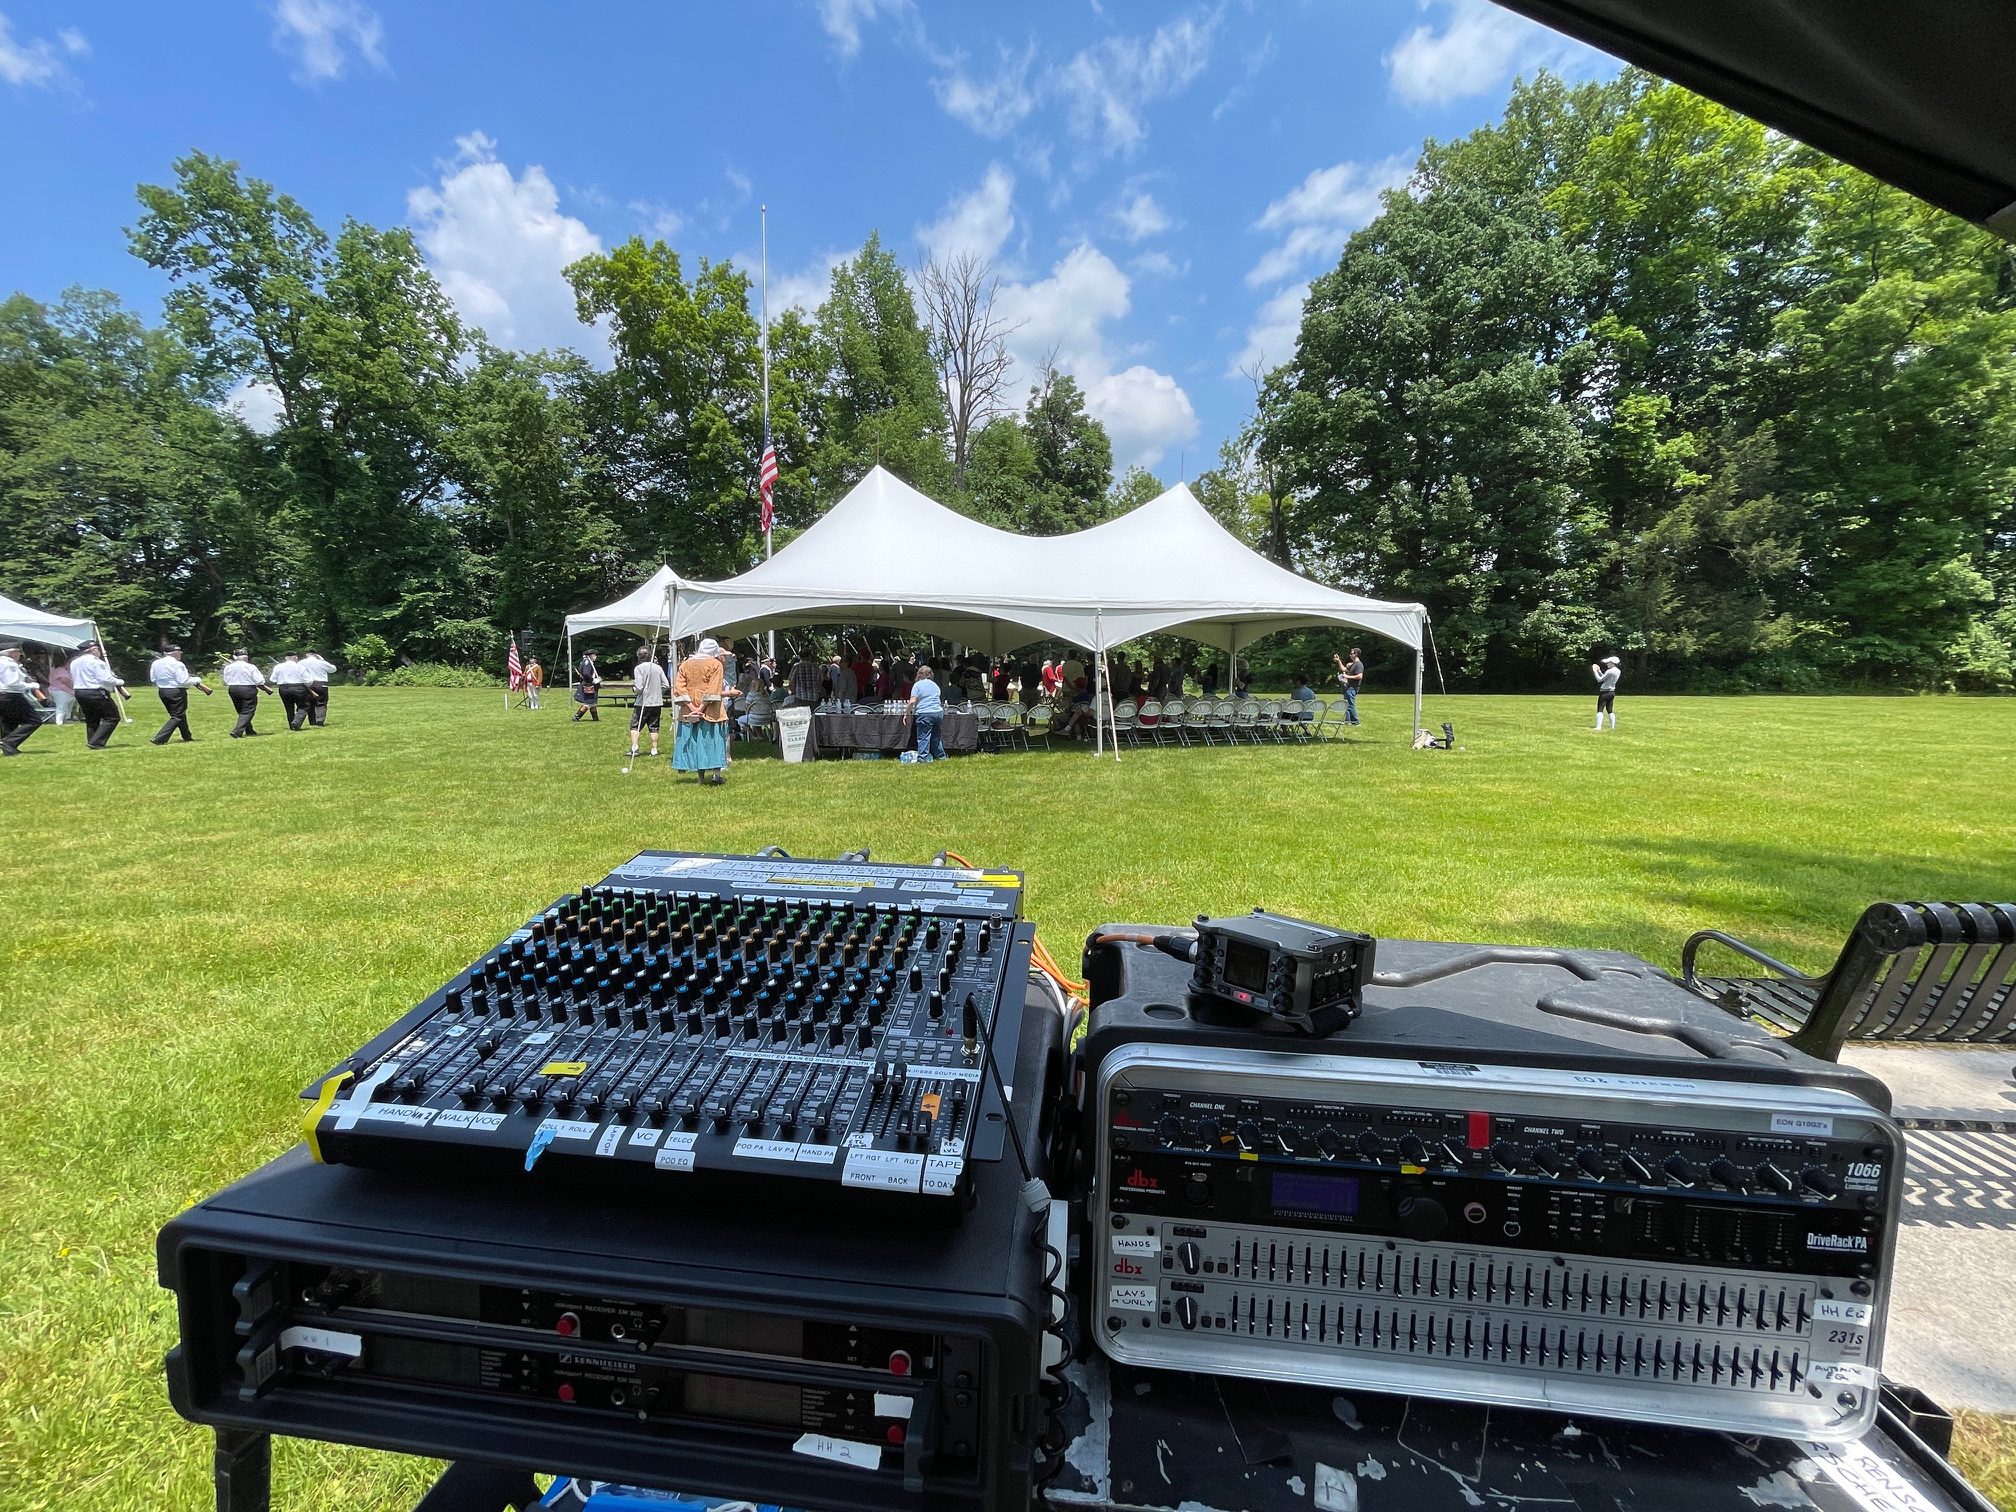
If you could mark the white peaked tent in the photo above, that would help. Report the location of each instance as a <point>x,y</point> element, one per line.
<point>19,622</point>
<point>886,555</point>
<point>650,607</point>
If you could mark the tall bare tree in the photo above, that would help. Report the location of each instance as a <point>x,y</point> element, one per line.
<point>969,344</point>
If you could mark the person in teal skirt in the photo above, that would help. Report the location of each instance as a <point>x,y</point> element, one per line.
<point>701,695</point>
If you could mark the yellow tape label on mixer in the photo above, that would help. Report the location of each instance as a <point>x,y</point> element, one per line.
<point>563,1068</point>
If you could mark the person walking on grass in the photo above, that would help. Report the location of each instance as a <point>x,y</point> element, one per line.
<point>700,743</point>
<point>927,709</point>
<point>315,674</point>
<point>62,692</point>
<point>1608,673</point>
<point>18,695</point>
<point>291,679</point>
<point>1350,677</point>
<point>97,685</point>
<point>651,684</point>
<point>587,690</point>
<point>173,681</point>
<point>243,682</point>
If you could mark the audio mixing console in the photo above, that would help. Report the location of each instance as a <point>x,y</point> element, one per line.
<point>696,1017</point>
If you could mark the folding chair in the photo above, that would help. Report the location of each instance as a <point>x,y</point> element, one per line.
<point>1036,724</point>
<point>1197,721</point>
<point>1150,720</point>
<point>1246,719</point>
<point>1172,722</point>
<point>1125,715</point>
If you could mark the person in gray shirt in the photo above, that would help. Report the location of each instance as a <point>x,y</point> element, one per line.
<point>651,685</point>
<point>1608,672</point>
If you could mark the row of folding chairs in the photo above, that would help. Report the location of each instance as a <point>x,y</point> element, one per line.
<point>1225,721</point>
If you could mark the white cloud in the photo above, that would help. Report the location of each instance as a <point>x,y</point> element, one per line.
<point>1158,264</point>
<point>806,289</point>
<point>1063,318</point>
<point>256,403</point>
<point>979,222</point>
<point>1270,340</point>
<point>1321,211</point>
<point>1107,87</point>
<point>662,221</point>
<point>323,35</point>
<point>498,245</point>
<point>843,19</point>
<point>1480,46</point>
<point>992,106</point>
<point>38,61</point>
<point>1256,62</point>
<point>1140,218</point>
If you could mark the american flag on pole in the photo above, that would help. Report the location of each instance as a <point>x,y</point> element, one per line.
<point>513,667</point>
<point>766,482</point>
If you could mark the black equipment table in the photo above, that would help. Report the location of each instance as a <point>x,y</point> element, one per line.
<point>1156,1441</point>
<point>841,734</point>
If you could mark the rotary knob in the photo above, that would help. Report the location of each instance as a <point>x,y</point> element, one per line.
<point>1413,1150</point>
<point>1506,1154</point>
<point>1328,1142</point>
<point>1186,1311</point>
<point>1590,1159</point>
<point>1249,1134</point>
<point>1547,1158</point>
<point>1370,1145</point>
<point>1680,1168</point>
<point>1724,1170</point>
<point>1189,1256</point>
<point>1169,1128</point>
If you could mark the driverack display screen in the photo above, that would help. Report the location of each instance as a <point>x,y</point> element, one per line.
<point>1295,1194</point>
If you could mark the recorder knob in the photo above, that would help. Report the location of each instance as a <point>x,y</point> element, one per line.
<point>1420,1216</point>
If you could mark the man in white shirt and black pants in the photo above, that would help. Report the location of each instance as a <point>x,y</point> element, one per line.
<point>18,695</point>
<point>317,672</point>
<point>290,679</point>
<point>1608,672</point>
<point>97,685</point>
<point>243,682</point>
<point>173,681</point>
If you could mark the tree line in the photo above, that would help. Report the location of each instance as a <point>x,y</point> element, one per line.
<point>420,491</point>
<point>1626,372</point>
<point>1621,371</point>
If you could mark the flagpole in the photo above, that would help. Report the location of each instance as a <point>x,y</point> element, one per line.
<point>764,212</point>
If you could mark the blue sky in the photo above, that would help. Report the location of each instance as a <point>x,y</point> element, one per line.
<point>1156,183</point>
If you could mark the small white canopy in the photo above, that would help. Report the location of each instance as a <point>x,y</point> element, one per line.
<point>886,555</point>
<point>19,622</point>
<point>647,607</point>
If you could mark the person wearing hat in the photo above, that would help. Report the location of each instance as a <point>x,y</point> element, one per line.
<point>18,695</point>
<point>1607,672</point>
<point>700,743</point>
<point>316,686</point>
<point>291,678</point>
<point>243,682</point>
<point>96,683</point>
<point>587,690</point>
<point>173,681</point>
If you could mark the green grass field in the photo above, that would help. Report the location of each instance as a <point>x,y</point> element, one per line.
<point>190,935</point>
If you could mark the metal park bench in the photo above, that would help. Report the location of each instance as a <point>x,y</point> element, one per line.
<point>1930,973</point>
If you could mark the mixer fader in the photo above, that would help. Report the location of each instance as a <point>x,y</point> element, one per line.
<point>692,1016</point>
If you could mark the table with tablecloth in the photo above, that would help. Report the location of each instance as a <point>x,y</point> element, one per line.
<point>837,733</point>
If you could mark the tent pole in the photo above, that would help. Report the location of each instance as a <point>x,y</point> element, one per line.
<point>1417,690</point>
<point>1098,683</point>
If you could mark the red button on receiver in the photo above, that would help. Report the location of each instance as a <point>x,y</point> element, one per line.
<point>899,1362</point>
<point>566,1391</point>
<point>895,1433</point>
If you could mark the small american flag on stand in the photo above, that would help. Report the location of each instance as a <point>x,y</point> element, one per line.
<point>766,483</point>
<point>513,667</point>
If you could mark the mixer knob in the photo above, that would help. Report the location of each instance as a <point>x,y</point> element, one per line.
<point>1169,1128</point>
<point>466,1093</point>
<point>1547,1159</point>
<point>863,1035</point>
<point>916,978</point>
<point>1724,1170</point>
<point>1421,1216</point>
<point>931,935</point>
<point>1186,1311</point>
<point>1590,1160</point>
<point>1680,1168</point>
<point>1505,1153</point>
<point>1248,1133</point>
<point>1189,1256</point>
<point>1770,1177</point>
<point>1370,1145</point>
<point>1291,1139</point>
<point>1208,1131</point>
<point>937,1005</point>
<point>1412,1150</point>
<point>1820,1179</point>
<point>1328,1141</point>
<point>986,938</point>
<point>1636,1169</point>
